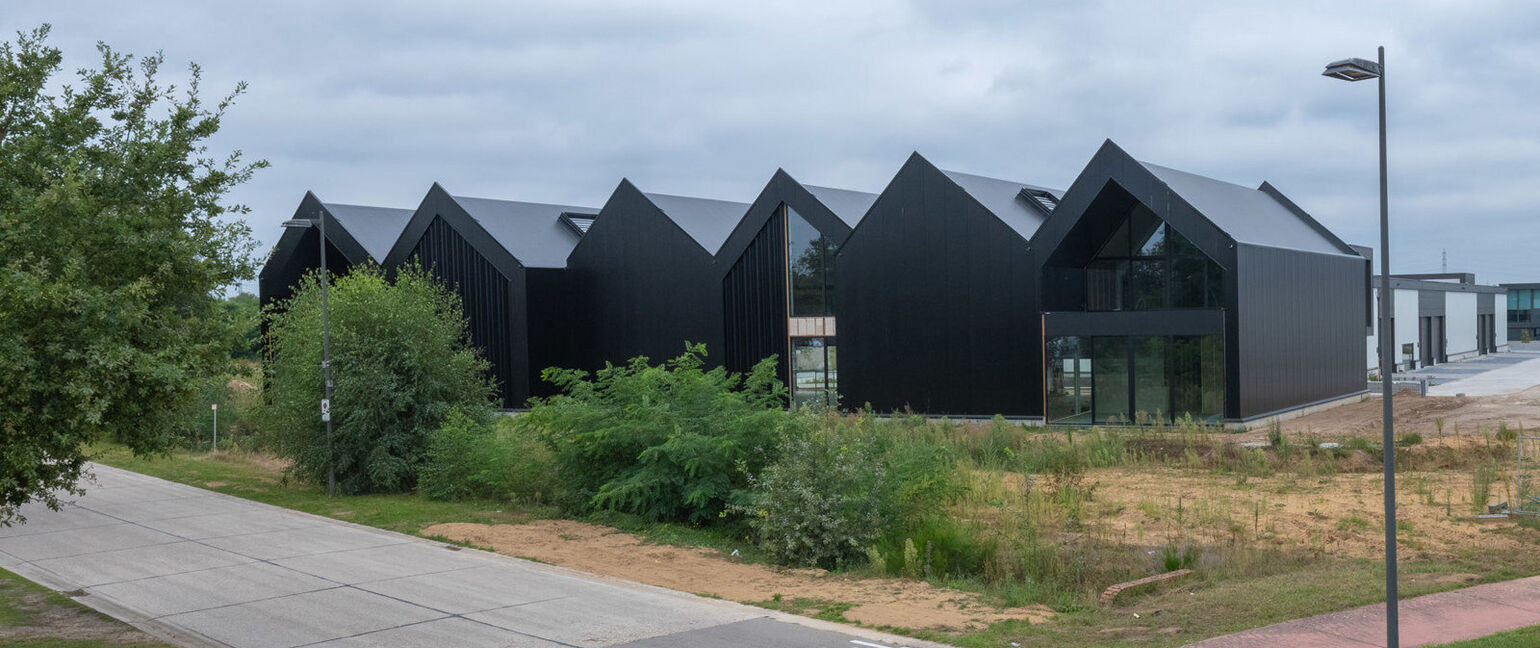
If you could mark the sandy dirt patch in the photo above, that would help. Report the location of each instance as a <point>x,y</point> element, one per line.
<point>602,550</point>
<point>1329,515</point>
<point>1461,415</point>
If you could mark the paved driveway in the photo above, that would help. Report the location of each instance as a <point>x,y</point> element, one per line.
<point>1489,375</point>
<point>204,569</point>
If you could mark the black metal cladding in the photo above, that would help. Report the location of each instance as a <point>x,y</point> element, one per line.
<point>1299,327</point>
<point>647,286</point>
<point>754,300</point>
<point>493,305</point>
<point>556,332</point>
<point>937,305</point>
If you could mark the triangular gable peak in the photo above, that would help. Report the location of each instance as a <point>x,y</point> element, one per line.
<point>1095,205</point>
<point>311,208</point>
<point>833,212</point>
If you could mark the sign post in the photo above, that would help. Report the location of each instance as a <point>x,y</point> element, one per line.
<point>215,447</point>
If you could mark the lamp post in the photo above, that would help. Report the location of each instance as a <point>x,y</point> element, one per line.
<point>1356,69</point>
<point>326,348</point>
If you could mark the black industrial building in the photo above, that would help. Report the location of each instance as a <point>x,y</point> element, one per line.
<point>1171,293</point>
<point>938,296</point>
<point>1139,292</point>
<point>355,235</point>
<point>644,277</point>
<point>504,259</point>
<point>777,283</point>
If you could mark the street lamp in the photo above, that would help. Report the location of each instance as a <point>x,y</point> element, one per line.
<point>1356,69</point>
<point>326,349</point>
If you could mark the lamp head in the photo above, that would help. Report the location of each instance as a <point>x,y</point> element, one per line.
<point>1353,69</point>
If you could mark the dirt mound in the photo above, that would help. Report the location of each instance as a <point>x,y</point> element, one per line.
<point>602,550</point>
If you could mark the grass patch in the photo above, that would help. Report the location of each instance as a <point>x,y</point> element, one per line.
<point>817,608</point>
<point>1521,638</point>
<point>259,478</point>
<point>33,616</point>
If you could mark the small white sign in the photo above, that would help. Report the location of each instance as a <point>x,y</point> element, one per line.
<point>215,406</point>
<point>326,409</point>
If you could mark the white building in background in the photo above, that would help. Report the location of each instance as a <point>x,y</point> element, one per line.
<point>1440,318</point>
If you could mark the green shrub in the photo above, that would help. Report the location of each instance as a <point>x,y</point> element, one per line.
<point>1410,439</point>
<point>467,458</point>
<point>666,442</point>
<point>1481,486</point>
<point>821,503</point>
<point>401,361</point>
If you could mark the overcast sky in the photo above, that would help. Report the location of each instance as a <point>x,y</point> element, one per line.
<point>371,102</point>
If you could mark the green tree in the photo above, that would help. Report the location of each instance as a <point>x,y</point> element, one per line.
<point>244,315</point>
<point>401,362</point>
<point>114,239</point>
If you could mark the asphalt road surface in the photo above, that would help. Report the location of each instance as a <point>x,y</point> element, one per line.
<point>199,568</point>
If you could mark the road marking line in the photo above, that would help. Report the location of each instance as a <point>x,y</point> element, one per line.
<point>872,645</point>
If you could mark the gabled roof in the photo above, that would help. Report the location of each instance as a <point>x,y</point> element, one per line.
<point>846,204</point>
<point>532,232</point>
<point>375,228</point>
<point>1249,215</point>
<point>1004,199</point>
<point>707,221</point>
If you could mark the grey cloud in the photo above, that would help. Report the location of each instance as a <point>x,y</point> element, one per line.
<point>371,102</point>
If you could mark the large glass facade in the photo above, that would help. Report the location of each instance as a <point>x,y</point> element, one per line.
<point>1146,265</point>
<point>809,268</point>
<point>810,299</point>
<point>1134,379</point>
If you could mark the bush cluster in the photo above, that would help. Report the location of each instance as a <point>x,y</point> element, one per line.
<point>670,442</point>
<point>469,458</point>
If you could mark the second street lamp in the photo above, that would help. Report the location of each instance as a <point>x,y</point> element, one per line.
<point>1356,69</point>
<point>326,349</point>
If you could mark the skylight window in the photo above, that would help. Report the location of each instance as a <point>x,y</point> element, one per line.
<point>578,223</point>
<point>1044,200</point>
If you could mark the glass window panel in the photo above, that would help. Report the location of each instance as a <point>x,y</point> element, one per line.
<point>1148,232</point>
<point>808,257</point>
<point>809,371</point>
<point>1186,362</point>
<point>1068,381</point>
<point>1117,246</point>
<point>1104,285</point>
<point>1146,285</point>
<point>1526,299</point>
<point>1513,299</point>
<point>1152,394</point>
<point>1109,379</point>
<point>1212,377</point>
<point>831,367</point>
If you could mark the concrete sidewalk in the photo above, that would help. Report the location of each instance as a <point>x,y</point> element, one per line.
<point>1426,620</point>
<point>199,568</point>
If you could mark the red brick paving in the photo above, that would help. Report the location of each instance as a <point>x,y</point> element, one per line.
<point>1426,620</point>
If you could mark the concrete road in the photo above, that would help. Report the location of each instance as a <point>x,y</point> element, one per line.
<point>199,568</point>
<point>1490,375</point>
